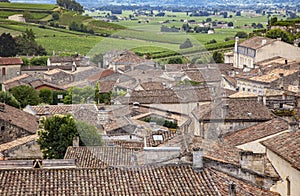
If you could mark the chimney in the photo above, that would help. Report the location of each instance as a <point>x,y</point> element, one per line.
<point>264,99</point>
<point>231,189</point>
<point>198,158</point>
<point>224,111</point>
<point>252,161</point>
<point>76,141</point>
<point>293,126</point>
<point>281,80</point>
<point>236,44</point>
<point>259,98</point>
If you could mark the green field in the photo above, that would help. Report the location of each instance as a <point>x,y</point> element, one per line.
<point>27,6</point>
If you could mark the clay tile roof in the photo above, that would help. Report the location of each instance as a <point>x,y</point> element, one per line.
<point>106,86</point>
<point>19,118</point>
<point>10,61</point>
<point>61,109</point>
<point>128,58</point>
<point>167,96</point>
<point>101,75</point>
<point>100,156</point>
<point>54,71</point>
<point>242,188</point>
<point>256,42</point>
<point>16,79</point>
<point>234,109</point>
<point>256,132</point>
<point>273,75</point>
<point>60,59</point>
<point>18,142</point>
<point>287,146</point>
<point>243,94</point>
<point>152,85</point>
<point>151,180</point>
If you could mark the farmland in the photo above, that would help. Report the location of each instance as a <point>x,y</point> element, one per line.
<point>142,34</point>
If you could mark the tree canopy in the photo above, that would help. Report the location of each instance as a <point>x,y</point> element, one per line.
<point>26,44</point>
<point>26,95</point>
<point>70,5</point>
<point>218,57</point>
<point>278,33</point>
<point>7,45</point>
<point>78,95</point>
<point>57,132</point>
<point>9,99</point>
<point>186,44</point>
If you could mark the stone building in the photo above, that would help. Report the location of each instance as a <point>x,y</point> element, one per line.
<point>256,49</point>
<point>15,123</point>
<point>10,67</point>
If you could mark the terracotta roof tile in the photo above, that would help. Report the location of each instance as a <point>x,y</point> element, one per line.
<point>287,146</point>
<point>10,61</point>
<point>152,86</point>
<point>164,180</point>
<point>19,118</point>
<point>233,109</point>
<point>166,96</point>
<point>256,132</point>
<point>100,156</point>
<point>17,142</point>
<point>256,42</point>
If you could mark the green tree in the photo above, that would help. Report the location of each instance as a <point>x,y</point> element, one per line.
<point>278,33</point>
<point>78,95</point>
<point>89,135</point>
<point>9,99</point>
<point>26,95</point>
<point>46,96</point>
<point>55,16</point>
<point>176,60</point>
<point>230,24</point>
<point>7,45</point>
<point>218,57</point>
<point>26,44</point>
<point>241,34</point>
<point>56,133</point>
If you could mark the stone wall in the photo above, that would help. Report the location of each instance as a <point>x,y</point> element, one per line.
<point>9,132</point>
<point>30,150</point>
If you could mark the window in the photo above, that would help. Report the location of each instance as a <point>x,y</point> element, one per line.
<point>3,71</point>
<point>2,128</point>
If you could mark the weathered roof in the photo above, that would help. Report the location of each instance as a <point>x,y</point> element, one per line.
<point>18,142</point>
<point>106,86</point>
<point>19,118</point>
<point>273,75</point>
<point>256,132</point>
<point>41,110</point>
<point>287,146</point>
<point>55,71</point>
<point>152,85</point>
<point>256,42</point>
<point>128,58</point>
<point>10,61</point>
<point>164,180</point>
<point>166,96</point>
<point>32,81</point>
<point>100,156</point>
<point>59,59</point>
<point>233,109</point>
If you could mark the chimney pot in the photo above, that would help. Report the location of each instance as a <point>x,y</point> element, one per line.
<point>293,126</point>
